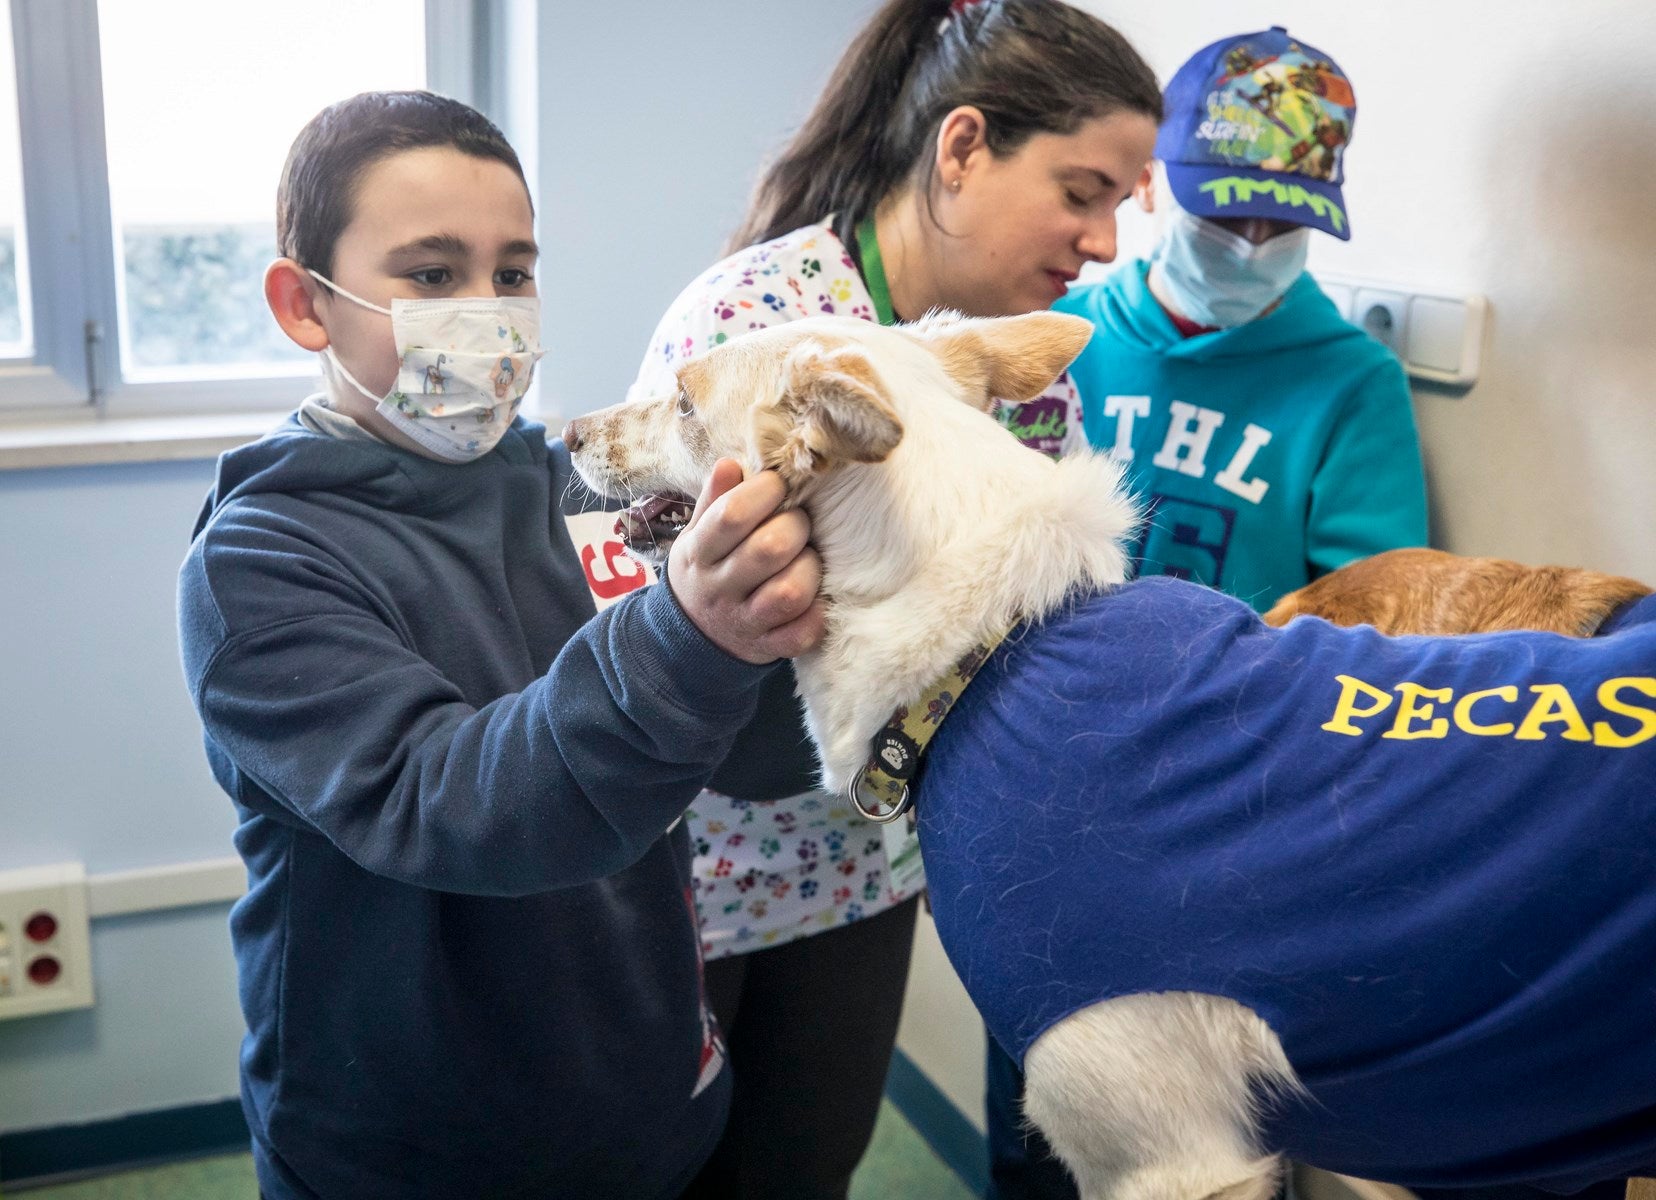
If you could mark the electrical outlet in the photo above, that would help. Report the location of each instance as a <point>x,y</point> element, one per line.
<point>1439,339</point>
<point>1384,316</point>
<point>45,941</point>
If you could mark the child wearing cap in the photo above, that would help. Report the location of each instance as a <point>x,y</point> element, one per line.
<point>1271,440</point>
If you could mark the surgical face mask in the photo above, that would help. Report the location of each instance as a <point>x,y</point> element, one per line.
<point>462,368</point>
<point>1216,277</point>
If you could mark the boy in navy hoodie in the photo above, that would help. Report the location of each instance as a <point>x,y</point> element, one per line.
<point>467,954</point>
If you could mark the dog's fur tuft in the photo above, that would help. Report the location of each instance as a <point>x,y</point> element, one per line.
<point>1004,360</point>
<point>832,411</point>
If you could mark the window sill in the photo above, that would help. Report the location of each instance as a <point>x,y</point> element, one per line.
<point>91,441</point>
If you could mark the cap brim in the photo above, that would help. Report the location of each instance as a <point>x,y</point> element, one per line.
<point>1224,191</point>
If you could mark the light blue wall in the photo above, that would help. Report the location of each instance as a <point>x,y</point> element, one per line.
<point>654,119</point>
<point>165,1030</point>
<point>102,756</point>
<point>101,763</point>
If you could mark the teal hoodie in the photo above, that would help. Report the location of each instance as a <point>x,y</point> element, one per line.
<point>1267,454</point>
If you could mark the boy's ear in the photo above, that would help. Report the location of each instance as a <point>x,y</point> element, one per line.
<point>833,410</point>
<point>1005,358</point>
<point>288,291</point>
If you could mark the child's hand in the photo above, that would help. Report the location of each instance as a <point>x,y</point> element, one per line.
<point>743,572</point>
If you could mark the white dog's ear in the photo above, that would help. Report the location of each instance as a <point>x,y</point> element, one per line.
<point>833,409</point>
<point>1006,358</point>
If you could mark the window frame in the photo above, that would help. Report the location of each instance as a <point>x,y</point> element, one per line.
<point>74,290</point>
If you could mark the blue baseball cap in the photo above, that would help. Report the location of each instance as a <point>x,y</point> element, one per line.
<point>1257,126</point>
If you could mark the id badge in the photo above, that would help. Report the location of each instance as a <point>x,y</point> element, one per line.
<point>904,871</point>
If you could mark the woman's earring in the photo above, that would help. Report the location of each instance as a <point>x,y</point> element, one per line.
<point>955,186</point>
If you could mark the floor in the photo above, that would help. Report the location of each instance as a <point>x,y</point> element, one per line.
<point>898,1166</point>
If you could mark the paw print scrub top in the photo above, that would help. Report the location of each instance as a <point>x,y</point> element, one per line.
<point>768,871</point>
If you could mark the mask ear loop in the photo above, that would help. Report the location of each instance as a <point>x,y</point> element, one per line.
<point>323,279</point>
<point>350,378</point>
<point>329,350</point>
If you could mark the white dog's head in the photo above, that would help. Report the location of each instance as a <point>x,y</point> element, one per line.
<point>808,398</point>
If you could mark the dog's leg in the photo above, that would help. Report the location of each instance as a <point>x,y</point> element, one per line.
<point>1153,1097</point>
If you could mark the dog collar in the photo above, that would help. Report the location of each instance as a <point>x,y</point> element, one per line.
<point>880,789</point>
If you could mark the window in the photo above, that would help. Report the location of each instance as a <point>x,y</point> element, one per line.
<point>16,336</point>
<point>140,146</point>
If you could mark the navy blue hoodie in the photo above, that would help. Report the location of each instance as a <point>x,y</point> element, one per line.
<point>467,955</point>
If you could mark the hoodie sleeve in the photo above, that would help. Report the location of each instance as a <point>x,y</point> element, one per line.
<point>1369,493</point>
<point>332,718</point>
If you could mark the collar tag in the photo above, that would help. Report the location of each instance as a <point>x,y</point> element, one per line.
<point>880,788</point>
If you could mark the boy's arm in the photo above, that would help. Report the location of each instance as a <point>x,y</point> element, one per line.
<point>1369,493</point>
<point>312,701</point>
<point>571,779</point>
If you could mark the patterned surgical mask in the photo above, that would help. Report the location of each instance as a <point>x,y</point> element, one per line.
<point>1216,277</point>
<point>462,368</point>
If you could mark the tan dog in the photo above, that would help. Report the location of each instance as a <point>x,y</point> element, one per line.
<point>1432,592</point>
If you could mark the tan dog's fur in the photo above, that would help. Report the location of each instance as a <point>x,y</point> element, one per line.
<point>1431,592</point>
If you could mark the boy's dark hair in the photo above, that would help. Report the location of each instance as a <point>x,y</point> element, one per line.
<point>1031,66</point>
<point>317,195</point>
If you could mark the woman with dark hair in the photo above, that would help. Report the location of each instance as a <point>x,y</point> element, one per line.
<point>963,156</point>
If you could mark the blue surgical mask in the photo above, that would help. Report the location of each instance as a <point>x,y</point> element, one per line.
<point>1216,277</point>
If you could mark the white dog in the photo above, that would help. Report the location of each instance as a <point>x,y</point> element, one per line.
<point>1301,1010</point>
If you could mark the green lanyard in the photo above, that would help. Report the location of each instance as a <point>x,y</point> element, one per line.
<point>874,272</point>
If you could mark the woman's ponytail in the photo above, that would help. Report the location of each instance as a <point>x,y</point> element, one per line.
<point>841,159</point>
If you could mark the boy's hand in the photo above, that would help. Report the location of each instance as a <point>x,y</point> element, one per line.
<point>743,572</point>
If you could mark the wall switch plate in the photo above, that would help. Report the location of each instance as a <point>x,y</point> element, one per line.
<point>1439,339</point>
<point>1446,339</point>
<point>45,941</point>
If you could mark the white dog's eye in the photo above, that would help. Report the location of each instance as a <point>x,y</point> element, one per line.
<point>685,408</point>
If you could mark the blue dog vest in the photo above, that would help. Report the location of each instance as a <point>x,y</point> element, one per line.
<point>1429,864</point>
